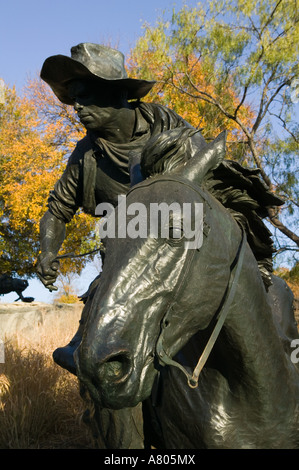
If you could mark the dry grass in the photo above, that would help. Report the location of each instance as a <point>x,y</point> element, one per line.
<point>40,405</point>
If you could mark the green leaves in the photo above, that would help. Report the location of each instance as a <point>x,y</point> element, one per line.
<point>229,64</point>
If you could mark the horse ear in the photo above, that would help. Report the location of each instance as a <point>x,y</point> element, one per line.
<point>206,159</point>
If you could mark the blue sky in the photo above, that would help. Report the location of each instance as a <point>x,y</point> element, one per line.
<point>32,30</point>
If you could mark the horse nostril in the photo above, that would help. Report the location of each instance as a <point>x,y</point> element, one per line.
<point>116,367</point>
<point>116,364</point>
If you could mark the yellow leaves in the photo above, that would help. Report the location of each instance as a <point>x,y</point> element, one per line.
<point>27,164</point>
<point>28,198</point>
<point>62,124</point>
<point>291,277</point>
<point>189,87</point>
<point>36,137</point>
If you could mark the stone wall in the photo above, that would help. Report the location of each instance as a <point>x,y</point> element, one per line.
<point>25,319</point>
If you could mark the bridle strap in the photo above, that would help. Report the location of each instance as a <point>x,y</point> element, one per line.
<point>164,359</point>
<point>236,267</point>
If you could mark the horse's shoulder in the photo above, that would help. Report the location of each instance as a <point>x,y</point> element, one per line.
<point>282,304</point>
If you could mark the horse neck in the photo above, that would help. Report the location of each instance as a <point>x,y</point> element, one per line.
<point>250,342</point>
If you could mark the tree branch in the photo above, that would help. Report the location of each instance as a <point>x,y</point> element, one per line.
<point>285,248</point>
<point>261,112</point>
<point>274,220</point>
<point>284,125</point>
<point>242,101</point>
<point>281,227</point>
<point>208,97</point>
<point>271,100</point>
<point>271,15</point>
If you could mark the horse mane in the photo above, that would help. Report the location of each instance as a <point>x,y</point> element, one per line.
<point>240,190</point>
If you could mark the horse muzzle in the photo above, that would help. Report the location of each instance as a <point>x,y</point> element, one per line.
<point>112,378</point>
<point>106,375</point>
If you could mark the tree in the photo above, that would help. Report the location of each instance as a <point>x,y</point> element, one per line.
<point>37,134</point>
<point>231,64</point>
<point>66,292</point>
<point>291,276</point>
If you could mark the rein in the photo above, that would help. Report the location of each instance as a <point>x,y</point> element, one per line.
<point>227,299</point>
<point>164,359</point>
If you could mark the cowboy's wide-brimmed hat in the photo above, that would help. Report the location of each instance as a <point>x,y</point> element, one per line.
<point>91,61</point>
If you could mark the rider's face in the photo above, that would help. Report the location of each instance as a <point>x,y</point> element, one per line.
<point>97,105</point>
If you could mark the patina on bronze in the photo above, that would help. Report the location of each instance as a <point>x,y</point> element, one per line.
<point>12,284</point>
<point>157,305</point>
<point>248,390</point>
<point>94,81</point>
<point>165,360</point>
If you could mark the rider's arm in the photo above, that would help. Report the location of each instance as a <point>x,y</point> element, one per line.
<point>52,234</point>
<point>63,203</point>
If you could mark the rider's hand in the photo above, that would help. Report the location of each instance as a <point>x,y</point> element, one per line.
<point>47,270</point>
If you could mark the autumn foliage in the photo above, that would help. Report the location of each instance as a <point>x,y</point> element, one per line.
<point>178,92</point>
<point>220,65</point>
<point>37,135</point>
<point>233,65</point>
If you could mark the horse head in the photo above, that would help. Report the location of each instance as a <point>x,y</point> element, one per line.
<point>147,276</point>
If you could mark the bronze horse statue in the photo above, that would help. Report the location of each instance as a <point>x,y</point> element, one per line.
<point>10,284</point>
<point>198,336</point>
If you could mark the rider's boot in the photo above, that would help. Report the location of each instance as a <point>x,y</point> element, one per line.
<point>64,356</point>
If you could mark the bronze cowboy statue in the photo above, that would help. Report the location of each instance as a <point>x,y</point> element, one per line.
<point>118,127</point>
<point>106,161</point>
